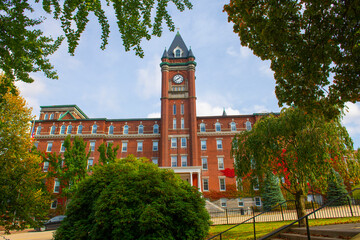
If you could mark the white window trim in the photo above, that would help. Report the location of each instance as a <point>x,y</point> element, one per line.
<point>220,179</point>
<point>47,147</point>
<point>203,180</point>
<point>171,143</point>
<point>142,146</point>
<point>122,146</point>
<point>223,164</point>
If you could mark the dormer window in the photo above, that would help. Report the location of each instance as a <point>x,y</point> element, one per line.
<point>178,52</point>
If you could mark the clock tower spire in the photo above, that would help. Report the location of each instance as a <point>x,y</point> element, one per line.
<point>178,106</point>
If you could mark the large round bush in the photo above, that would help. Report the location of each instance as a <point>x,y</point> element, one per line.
<point>134,199</point>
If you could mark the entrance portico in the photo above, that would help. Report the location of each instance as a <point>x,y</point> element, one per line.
<point>190,174</point>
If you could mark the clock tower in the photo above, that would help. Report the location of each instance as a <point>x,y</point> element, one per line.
<point>178,107</point>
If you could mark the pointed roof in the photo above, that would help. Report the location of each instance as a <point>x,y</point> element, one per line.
<point>224,112</point>
<point>178,42</point>
<point>165,54</point>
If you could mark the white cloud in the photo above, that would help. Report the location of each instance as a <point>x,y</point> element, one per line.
<point>265,69</point>
<point>351,119</point>
<point>149,79</point>
<point>154,115</point>
<point>31,92</point>
<point>255,109</point>
<point>206,109</point>
<point>243,52</point>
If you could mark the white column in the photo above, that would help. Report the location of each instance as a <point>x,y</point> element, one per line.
<point>191,180</point>
<point>199,181</point>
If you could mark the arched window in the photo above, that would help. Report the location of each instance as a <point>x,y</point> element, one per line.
<point>126,129</point>
<point>38,130</point>
<point>94,129</point>
<point>46,116</point>
<point>52,116</point>
<point>79,130</point>
<point>202,127</point>
<point>248,125</point>
<point>141,129</point>
<point>111,129</point>
<point>233,126</point>
<point>217,127</point>
<point>69,129</point>
<point>156,128</point>
<point>62,129</point>
<point>52,130</point>
<point>178,53</point>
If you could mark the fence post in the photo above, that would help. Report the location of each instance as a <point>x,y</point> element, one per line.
<point>312,203</point>
<point>352,214</point>
<point>227,217</point>
<point>253,210</point>
<point>307,228</point>
<point>282,213</point>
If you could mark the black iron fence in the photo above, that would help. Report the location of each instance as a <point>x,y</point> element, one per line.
<point>285,211</point>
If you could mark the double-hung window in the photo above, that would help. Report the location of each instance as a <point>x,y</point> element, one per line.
<point>203,144</point>
<point>183,142</point>
<point>204,163</point>
<point>56,186</point>
<point>155,146</point>
<point>184,161</point>
<point>173,161</point>
<point>173,143</point>
<point>222,184</point>
<point>124,147</point>
<point>219,144</point>
<point>92,146</point>
<point>221,163</point>
<point>139,146</point>
<point>49,147</point>
<point>217,127</point>
<point>205,184</point>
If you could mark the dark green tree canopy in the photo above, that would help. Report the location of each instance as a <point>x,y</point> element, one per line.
<point>24,49</point>
<point>313,45</point>
<point>133,199</point>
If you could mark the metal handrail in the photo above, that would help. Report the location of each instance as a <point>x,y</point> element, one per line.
<point>279,204</point>
<point>306,216</point>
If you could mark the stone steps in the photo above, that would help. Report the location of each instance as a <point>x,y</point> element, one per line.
<point>316,234</point>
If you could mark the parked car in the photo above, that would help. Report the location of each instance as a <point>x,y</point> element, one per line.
<point>52,224</point>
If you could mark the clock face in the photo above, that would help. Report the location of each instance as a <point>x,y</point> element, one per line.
<point>178,78</point>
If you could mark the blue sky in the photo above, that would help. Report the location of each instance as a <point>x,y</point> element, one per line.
<point>117,84</point>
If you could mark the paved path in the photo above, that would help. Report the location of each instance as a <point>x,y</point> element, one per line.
<point>28,235</point>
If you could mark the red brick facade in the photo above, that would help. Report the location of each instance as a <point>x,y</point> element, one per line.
<point>197,148</point>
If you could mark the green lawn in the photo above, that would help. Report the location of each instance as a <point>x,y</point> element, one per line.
<point>246,231</point>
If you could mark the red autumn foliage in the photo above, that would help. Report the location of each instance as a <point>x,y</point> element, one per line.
<point>230,173</point>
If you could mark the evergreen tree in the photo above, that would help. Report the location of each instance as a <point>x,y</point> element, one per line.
<point>271,192</point>
<point>336,188</point>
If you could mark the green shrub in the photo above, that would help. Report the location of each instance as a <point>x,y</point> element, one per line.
<point>134,199</point>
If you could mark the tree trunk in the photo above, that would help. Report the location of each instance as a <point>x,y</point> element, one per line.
<point>300,207</point>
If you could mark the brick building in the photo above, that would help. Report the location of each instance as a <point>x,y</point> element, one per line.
<point>196,148</point>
